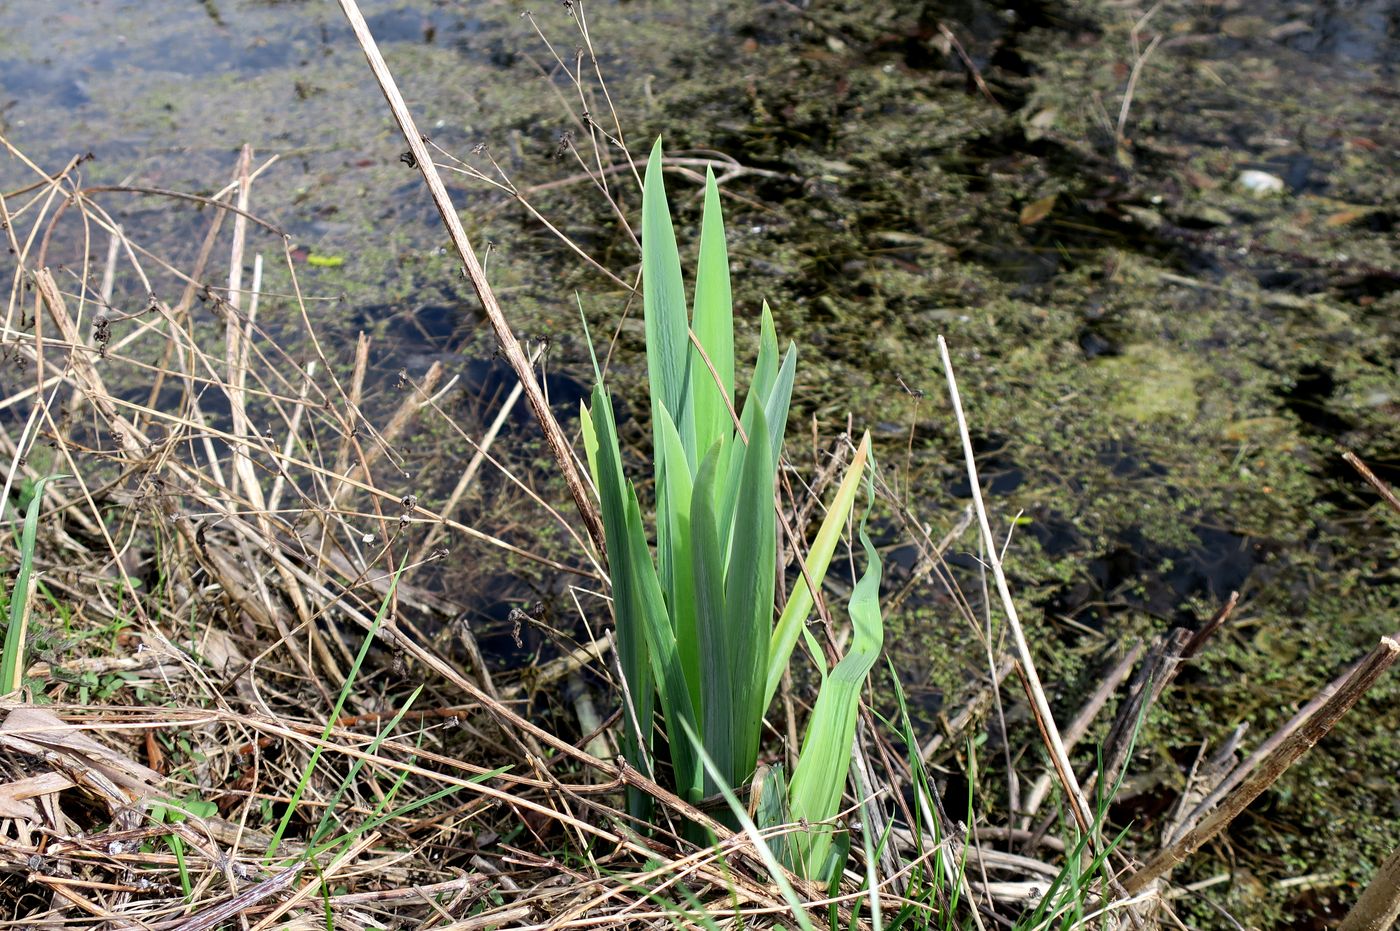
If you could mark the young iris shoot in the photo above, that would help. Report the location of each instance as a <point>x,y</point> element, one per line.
<point>696,634</point>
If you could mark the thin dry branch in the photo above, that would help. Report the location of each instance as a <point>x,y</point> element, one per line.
<point>510,346</point>
<point>1079,805</point>
<point>1357,683</point>
<point>1377,483</point>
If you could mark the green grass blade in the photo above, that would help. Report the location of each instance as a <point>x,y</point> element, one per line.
<point>663,303</point>
<point>12,663</point>
<point>820,775</point>
<point>331,812</point>
<point>794,617</point>
<point>714,327</point>
<point>872,880</point>
<point>631,634</point>
<point>588,339</point>
<point>345,688</point>
<point>384,818</point>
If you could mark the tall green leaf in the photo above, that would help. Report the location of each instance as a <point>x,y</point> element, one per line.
<point>819,779</point>
<point>775,406</point>
<point>676,706</point>
<point>714,327</point>
<point>773,811</point>
<point>673,547</point>
<point>735,651</point>
<point>663,303</point>
<point>590,440</point>
<point>632,639</point>
<point>710,617</point>
<point>765,375</point>
<point>771,390</point>
<point>799,604</point>
<point>766,369</point>
<point>720,679</point>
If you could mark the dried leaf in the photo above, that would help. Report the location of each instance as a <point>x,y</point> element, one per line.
<point>17,798</point>
<point>1037,210</point>
<point>1347,217</point>
<point>37,731</point>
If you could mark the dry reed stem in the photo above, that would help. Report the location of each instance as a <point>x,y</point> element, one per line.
<point>131,439</point>
<point>236,350</point>
<point>510,346</point>
<point>1358,681</point>
<point>1044,717</point>
<point>1377,483</point>
<point>969,64</point>
<point>1379,905</point>
<point>1079,726</point>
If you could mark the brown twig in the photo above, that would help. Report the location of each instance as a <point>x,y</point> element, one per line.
<point>969,64</point>
<point>510,346</point>
<point>1198,639</point>
<point>1376,481</point>
<point>1157,672</point>
<point>1379,905</point>
<point>1357,683</point>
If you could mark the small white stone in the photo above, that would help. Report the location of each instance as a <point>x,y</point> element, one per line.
<point>367,538</point>
<point>1260,182</point>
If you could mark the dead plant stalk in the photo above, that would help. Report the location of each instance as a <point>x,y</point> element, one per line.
<point>558,443</point>
<point>1360,680</point>
<point>1078,804</point>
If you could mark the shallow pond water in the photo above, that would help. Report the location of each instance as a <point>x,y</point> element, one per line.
<point>1162,368</point>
